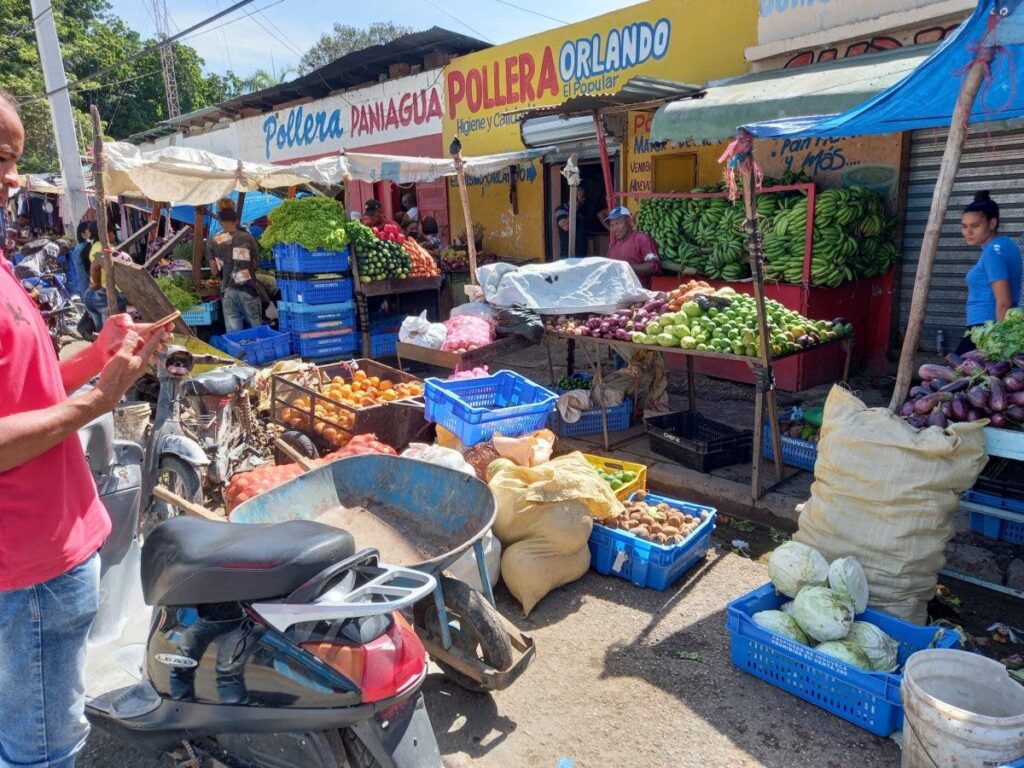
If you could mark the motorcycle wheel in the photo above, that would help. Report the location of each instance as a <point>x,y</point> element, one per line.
<point>475,628</point>
<point>178,476</point>
<point>301,443</point>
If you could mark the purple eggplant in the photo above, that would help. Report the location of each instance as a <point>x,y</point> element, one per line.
<point>997,420</point>
<point>1015,398</point>
<point>937,419</point>
<point>917,421</point>
<point>1018,360</point>
<point>978,396</point>
<point>959,408</point>
<point>907,409</point>
<point>974,354</point>
<point>946,406</point>
<point>934,371</point>
<point>954,360</point>
<point>973,414</point>
<point>919,391</point>
<point>928,403</point>
<point>996,400</point>
<point>999,368</point>
<point>956,386</point>
<point>1015,414</point>
<point>936,385</point>
<point>1014,381</point>
<point>971,367</point>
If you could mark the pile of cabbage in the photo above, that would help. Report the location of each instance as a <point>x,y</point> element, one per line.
<point>825,600</point>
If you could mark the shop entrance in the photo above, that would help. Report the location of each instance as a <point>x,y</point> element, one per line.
<point>592,183</point>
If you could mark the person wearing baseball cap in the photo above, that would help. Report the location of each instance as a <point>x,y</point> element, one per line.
<point>374,211</point>
<point>637,249</point>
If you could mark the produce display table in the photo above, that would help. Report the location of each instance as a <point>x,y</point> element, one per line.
<point>1004,443</point>
<point>461,360</point>
<point>764,389</point>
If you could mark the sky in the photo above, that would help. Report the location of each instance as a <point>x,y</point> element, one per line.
<point>275,33</point>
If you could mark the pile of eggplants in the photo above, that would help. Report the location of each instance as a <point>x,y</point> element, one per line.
<point>968,388</point>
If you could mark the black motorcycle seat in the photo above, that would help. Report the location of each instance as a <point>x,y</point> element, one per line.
<point>221,382</point>
<point>188,561</point>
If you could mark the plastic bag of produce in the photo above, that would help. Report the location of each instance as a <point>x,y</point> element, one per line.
<point>526,450</point>
<point>886,494</point>
<point>793,566</point>
<point>466,333</point>
<point>436,454</point>
<point>545,515</point>
<point>422,332</point>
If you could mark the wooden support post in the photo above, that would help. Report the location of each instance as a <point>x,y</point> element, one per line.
<point>572,175</point>
<point>167,247</point>
<point>198,243</point>
<point>101,210</point>
<point>292,191</point>
<point>154,216</point>
<point>149,226</point>
<point>460,172</point>
<point>958,130</point>
<point>240,206</point>
<point>606,165</point>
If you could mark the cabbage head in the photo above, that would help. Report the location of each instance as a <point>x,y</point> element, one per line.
<point>794,565</point>
<point>781,624</point>
<point>845,651</point>
<point>882,652</point>
<point>787,607</point>
<point>846,575</point>
<point>823,613</point>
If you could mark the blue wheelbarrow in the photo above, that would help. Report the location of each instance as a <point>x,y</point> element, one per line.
<point>424,517</point>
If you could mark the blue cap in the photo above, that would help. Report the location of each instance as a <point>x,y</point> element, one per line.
<point>617,213</point>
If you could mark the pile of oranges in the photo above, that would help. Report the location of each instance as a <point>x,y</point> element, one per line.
<point>334,420</point>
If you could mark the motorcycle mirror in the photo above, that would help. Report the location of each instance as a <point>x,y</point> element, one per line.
<point>179,361</point>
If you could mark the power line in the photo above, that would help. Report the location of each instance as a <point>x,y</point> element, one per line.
<point>530,10</point>
<point>226,23</point>
<point>32,22</point>
<point>479,34</point>
<point>145,51</point>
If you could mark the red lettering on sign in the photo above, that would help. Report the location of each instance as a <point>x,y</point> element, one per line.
<point>526,70</point>
<point>456,91</point>
<point>512,79</point>
<point>548,75</point>
<point>474,90</point>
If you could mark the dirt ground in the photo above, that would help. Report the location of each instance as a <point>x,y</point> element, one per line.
<point>608,688</point>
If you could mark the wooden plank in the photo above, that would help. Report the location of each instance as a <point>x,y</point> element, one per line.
<point>167,247</point>
<point>198,244</point>
<point>142,292</point>
<point>452,360</point>
<point>101,210</point>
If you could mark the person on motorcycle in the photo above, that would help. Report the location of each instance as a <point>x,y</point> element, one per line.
<point>52,520</point>
<point>234,257</point>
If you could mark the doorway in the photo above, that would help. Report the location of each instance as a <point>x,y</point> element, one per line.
<point>592,184</point>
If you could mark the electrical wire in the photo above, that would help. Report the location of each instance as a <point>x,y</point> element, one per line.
<point>226,23</point>
<point>476,32</point>
<point>528,10</point>
<point>32,22</point>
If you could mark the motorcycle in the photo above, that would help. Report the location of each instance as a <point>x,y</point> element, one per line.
<point>262,645</point>
<point>62,310</point>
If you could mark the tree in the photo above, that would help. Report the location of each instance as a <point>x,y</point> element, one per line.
<point>262,78</point>
<point>345,39</point>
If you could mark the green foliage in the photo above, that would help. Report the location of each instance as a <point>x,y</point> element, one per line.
<point>344,39</point>
<point>1003,340</point>
<point>315,223</point>
<point>179,291</point>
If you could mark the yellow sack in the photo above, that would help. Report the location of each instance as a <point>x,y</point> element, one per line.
<point>886,494</point>
<point>545,515</point>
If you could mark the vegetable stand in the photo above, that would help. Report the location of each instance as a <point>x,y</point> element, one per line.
<point>460,360</point>
<point>764,397</point>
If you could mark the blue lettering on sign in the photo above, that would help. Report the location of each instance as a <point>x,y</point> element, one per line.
<point>768,7</point>
<point>619,49</point>
<point>300,129</point>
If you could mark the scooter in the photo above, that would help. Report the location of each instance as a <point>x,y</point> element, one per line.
<point>184,460</point>
<point>266,646</point>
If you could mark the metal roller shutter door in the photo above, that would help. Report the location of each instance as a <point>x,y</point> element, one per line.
<point>992,160</point>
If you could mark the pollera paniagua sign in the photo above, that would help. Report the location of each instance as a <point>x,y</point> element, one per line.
<point>395,110</point>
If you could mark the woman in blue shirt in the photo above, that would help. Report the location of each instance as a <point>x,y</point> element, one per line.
<point>994,283</point>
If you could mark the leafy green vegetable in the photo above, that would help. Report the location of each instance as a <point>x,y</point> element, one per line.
<point>179,291</point>
<point>315,223</point>
<point>1001,340</point>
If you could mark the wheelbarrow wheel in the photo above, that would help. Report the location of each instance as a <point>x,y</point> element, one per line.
<point>475,628</point>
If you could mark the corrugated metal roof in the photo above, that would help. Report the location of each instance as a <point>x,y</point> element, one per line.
<point>637,90</point>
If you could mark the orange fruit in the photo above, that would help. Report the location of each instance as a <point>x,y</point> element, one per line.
<point>389,396</point>
<point>366,402</point>
<point>319,427</point>
<point>375,380</point>
<point>359,376</point>
<point>330,434</point>
<point>385,384</point>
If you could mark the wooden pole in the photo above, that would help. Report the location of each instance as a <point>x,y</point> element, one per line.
<point>198,242</point>
<point>460,173</point>
<point>167,247</point>
<point>572,175</point>
<point>101,209</point>
<point>149,226</point>
<point>606,164</point>
<point>239,206</point>
<point>958,130</point>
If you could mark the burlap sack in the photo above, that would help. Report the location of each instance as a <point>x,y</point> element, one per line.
<point>886,494</point>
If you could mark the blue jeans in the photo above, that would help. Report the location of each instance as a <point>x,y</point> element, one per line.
<point>241,308</point>
<point>96,304</point>
<point>43,631</point>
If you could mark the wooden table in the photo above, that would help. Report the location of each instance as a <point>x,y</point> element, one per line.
<point>764,397</point>
<point>461,360</point>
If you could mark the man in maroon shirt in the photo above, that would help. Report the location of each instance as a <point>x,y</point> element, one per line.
<point>51,520</point>
<point>637,249</point>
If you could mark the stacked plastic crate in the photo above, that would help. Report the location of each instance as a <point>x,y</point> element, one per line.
<point>316,308</point>
<point>384,328</point>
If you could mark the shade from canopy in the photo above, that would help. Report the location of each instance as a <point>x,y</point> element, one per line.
<point>787,93</point>
<point>257,205</point>
<point>927,96</point>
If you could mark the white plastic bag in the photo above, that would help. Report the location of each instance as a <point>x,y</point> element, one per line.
<point>442,457</point>
<point>465,568</point>
<point>422,332</point>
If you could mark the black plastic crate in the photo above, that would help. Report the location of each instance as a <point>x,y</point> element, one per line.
<point>1002,477</point>
<point>697,442</point>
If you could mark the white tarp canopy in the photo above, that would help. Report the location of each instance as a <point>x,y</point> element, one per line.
<point>196,177</point>
<point>32,182</point>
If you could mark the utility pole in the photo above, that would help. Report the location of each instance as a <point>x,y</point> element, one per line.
<point>166,58</point>
<point>60,111</point>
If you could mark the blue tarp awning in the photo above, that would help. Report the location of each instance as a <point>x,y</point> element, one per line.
<point>257,205</point>
<point>926,97</point>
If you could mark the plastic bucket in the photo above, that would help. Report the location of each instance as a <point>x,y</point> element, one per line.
<point>131,421</point>
<point>878,178</point>
<point>960,709</point>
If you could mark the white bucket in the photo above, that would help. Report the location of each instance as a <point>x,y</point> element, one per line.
<point>960,710</point>
<point>131,420</point>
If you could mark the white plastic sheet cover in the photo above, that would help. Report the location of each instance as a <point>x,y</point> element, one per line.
<point>402,169</point>
<point>565,287</point>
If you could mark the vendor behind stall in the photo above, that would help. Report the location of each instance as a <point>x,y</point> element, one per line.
<point>582,231</point>
<point>373,214</point>
<point>234,256</point>
<point>637,249</point>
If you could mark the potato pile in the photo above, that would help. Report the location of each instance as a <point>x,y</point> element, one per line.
<point>661,524</point>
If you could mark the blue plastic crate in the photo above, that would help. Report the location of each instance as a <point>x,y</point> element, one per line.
<point>317,317</point>
<point>202,314</point>
<point>795,452</point>
<point>868,699</point>
<point>324,344</point>
<point>383,344</point>
<point>315,290</point>
<point>646,563</point>
<point>386,322</point>
<point>255,345</point>
<point>474,409</point>
<point>291,257</point>
<point>619,418</point>
<point>995,517</point>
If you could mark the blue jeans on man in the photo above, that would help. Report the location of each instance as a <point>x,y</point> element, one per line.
<point>95,301</point>
<point>43,633</point>
<point>241,308</point>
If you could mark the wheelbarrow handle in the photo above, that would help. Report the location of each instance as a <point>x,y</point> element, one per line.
<point>185,505</point>
<point>294,455</point>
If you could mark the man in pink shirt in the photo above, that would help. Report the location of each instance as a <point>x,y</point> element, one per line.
<point>637,249</point>
<point>51,520</point>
